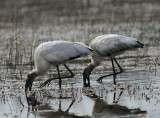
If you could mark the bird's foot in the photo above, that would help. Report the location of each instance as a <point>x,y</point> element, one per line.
<point>99,80</point>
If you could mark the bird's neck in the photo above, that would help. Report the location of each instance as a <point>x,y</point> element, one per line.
<point>93,65</point>
<point>90,67</point>
<point>96,58</point>
<point>35,71</point>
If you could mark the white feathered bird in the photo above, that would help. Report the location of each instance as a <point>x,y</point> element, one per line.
<point>109,46</point>
<point>55,53</point>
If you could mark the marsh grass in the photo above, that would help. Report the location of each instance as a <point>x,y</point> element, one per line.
<point>32,23</point>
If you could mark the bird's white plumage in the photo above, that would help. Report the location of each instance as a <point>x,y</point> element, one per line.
<point>109,46</point>
<point>58,52</point>
<point>112,44</point>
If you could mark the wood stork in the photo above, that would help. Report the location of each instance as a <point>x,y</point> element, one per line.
<point>55,53</point>
<point>109,46</point>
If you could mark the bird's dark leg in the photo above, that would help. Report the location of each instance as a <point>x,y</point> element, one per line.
<point>114,75</point>
<point>121,70</point>
<point>114,96</point>
<point>50,79</point>
<point>72,75</point>
<point>59,77</point>
<point>70,105</point>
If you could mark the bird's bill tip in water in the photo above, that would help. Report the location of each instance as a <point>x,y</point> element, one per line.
<point>29,81</point>
<point>99,80</point>
<point>85,78</point>
<point>28,85</point>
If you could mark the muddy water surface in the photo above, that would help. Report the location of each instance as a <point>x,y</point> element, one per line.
<point>136,95</point>
<point>30,23</point>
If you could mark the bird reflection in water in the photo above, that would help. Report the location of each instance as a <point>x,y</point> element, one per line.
<point>85,102</point>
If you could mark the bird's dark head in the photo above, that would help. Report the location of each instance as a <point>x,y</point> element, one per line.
<point>86,73</point>
<point>30,78</point>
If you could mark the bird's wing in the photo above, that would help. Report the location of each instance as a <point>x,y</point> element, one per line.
<point>112,44</point>
<point>61,51</point>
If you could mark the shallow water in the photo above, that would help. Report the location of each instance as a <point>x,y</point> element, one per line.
<point>137,93</point>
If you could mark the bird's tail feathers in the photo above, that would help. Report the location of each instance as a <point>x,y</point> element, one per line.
<point>90,49</point>
<point>140,45</point>
<point>79,43</point>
